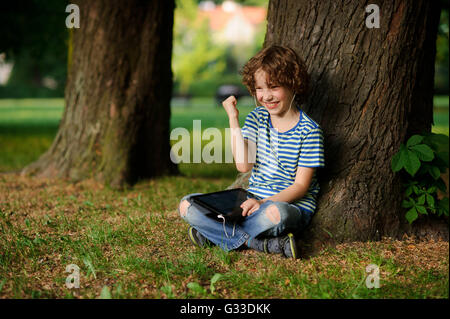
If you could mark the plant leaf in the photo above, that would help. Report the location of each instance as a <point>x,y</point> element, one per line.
<point>414,140</point>
<point>443,156</point>
<point>443,205</point>
<point>434,172</point>
<point>194,286</point>
<point>106,293</point>
<point>412,163</point>
<point>437,141</point>
<point>407,204</point>
<point>399,159</point>
<point>422,210</point>
<point>214,279</point>
<point>421,199</point>
<point>411,215</point>
<point>440,184</point>
<point>430,200</point>
<point>424,152</point>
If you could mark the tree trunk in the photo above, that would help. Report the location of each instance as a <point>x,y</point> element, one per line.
<point>115,125</point>
<point>371,89</point>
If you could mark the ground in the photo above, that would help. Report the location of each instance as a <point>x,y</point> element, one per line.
<point>132,244</point>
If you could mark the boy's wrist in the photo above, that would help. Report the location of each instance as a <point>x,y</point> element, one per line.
<point>233,121</point>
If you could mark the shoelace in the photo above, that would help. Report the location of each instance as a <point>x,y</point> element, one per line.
<point>223,224</point>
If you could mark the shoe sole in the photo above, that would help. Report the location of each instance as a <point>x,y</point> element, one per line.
<point>192,237</point>
<point>293,246</point>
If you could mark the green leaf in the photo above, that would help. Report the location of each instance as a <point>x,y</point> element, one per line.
<point>168,291</point>
<point>422,210</point>
<point>414,140</point>
<point>407,203</point>
<point>443,206</point>
<point>424,152</point>
<point>106,293</point>
<point>434,172</point>
<point>214,279</point>
<point>408,191</point>
<point>399,159</point>
<point>421,200</point>
<point>440,184</point>
<point>412,163</point>
<point>431,190</point>
<point>443,156</point>
<point>430,200</point>
<point>411,215</point>
<point>194,286</point>
<point>437,141</point>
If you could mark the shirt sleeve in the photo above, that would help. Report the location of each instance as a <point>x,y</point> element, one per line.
<point>312,149</point>
<point>250,128</point>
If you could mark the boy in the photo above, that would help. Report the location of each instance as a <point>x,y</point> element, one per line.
<point>282,147</point>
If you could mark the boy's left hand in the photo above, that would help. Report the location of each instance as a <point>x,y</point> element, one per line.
<point>250,206</point>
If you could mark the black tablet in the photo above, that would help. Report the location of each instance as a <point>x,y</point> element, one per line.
<point>226,203</point>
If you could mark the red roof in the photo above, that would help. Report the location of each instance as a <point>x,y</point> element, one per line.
<point>218,18</point>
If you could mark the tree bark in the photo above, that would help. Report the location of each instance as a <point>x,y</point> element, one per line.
<point>115,125</point>
<point>371,89</point>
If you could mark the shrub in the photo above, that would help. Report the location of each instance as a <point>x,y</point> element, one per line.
<point>424,158</point>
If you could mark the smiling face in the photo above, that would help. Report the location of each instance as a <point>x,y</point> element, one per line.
<point>275,98</point>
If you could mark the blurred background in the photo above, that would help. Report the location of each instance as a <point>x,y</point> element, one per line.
<point>212,41</point>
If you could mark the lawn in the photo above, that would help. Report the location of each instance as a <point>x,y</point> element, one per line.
<point>132,244</point>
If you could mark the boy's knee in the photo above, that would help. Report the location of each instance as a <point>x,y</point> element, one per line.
<point>184,205</point>
<point>273,213</point>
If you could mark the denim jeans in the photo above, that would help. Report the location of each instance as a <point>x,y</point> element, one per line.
<point>231,236</point>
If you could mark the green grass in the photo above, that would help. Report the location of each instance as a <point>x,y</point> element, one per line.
<point>134,243</point>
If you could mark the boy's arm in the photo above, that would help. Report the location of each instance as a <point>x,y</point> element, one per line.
<point>298,189</point>
<point>244,152</point>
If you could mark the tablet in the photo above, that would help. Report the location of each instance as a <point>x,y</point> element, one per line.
<point>226,203</point>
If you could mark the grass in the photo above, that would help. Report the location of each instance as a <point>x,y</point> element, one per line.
<point>132,244</point>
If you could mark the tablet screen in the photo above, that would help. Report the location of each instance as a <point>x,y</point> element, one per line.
<point>223,202</point>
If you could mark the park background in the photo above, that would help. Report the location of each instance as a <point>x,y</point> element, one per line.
<point>111,238</point>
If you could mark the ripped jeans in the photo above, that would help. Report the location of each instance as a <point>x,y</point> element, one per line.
<point>231,236</point>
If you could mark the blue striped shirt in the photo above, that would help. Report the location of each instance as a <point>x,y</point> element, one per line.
<point>279,154</point>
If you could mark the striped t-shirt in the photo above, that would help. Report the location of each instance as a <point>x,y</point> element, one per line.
<point>279,154</point>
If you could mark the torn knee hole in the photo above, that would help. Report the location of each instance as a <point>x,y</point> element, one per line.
<point>184,207</point>
<point>274,214</point>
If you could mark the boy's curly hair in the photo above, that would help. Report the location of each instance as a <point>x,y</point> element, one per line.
<point>283,67</point>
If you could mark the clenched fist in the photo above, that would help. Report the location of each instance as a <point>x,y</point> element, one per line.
<point>230,107</point>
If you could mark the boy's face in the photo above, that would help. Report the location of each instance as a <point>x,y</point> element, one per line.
<point>275,98</point>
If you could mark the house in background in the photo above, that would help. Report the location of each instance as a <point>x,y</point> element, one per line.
<point>232,23</point>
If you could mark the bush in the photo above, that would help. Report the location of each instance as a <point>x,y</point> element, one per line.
<point>424,158</point>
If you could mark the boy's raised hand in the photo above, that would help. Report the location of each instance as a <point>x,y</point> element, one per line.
<point>230,107</point>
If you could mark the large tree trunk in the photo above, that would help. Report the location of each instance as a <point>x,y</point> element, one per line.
<point>115,125</point>
<point>371,89</point>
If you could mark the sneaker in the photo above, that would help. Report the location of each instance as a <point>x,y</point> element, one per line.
<point>286,246</point>
<point>196,238</point>
<point>289,245</point>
